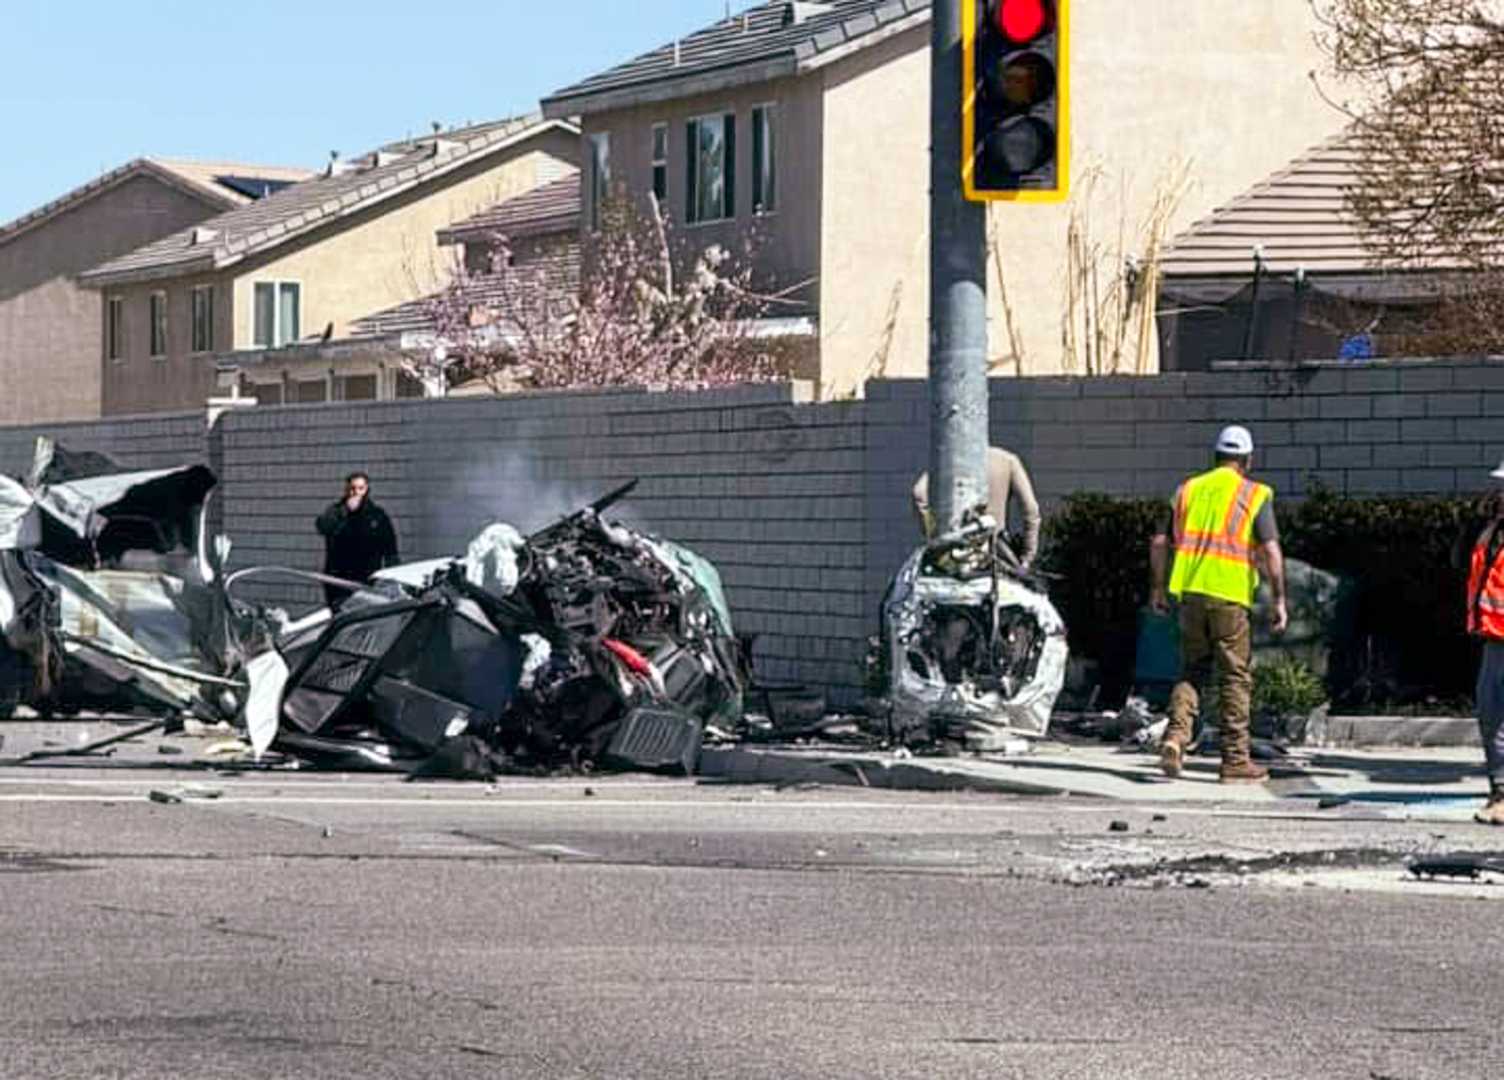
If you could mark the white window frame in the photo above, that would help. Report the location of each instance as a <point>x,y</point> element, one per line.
<point>659,160</point>
<point>278,339</point>
<point>600,173</point>
<point>156,343</point>
<point>692,208</point>
<point>765,167</point>
<point>114,329</point>
<point>193,338</point>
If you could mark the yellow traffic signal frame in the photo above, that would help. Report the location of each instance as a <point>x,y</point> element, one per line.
<point>1061,191</point>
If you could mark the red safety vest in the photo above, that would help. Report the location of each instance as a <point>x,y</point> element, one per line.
<point>1485,590</point>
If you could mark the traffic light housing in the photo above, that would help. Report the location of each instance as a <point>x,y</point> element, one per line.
<point>1015,99</point>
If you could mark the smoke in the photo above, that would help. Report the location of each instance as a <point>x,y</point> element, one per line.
<point>518,488</point>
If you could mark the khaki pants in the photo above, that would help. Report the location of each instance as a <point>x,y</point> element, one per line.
<point>1214,632</point>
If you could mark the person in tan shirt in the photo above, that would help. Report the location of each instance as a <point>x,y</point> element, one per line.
<point>1006,479</point>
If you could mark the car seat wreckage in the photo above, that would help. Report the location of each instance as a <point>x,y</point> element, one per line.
<point>586,644</point>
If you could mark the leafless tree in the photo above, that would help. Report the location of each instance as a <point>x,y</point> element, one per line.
<point>1424,83</point>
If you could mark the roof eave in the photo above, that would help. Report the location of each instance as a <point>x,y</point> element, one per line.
<point>96,279</point>
<point>660,88</point>
<point>813,60</point>
<point>225,258</point>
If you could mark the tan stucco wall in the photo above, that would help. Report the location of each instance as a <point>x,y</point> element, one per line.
<point>50,328</point>
<point>874,256</point>
<point>1223,85</point>
<point>389,255</point>
<point>785,244</point>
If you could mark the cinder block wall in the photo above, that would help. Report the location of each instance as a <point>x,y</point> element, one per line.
<point>137,442</point>
<point>1407,427</point>
<point>803,507</point>
<point>770,490</point>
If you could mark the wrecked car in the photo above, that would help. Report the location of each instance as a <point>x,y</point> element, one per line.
<point>110,597</point>
<point>587,644</point>
<point>972,650</point>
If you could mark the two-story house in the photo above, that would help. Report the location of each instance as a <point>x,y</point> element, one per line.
<point>307,261</point>
<point>806,126</point>
<point>542,232</point>
<point>49,324</point>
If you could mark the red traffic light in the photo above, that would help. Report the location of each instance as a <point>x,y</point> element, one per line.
<point>1021,21</point>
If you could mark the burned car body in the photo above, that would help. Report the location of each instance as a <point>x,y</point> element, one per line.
<point>586,644</point>
<point>972,649</point>
<point>108,594</point>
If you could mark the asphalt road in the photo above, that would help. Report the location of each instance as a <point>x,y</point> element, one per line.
<point>316,926</point>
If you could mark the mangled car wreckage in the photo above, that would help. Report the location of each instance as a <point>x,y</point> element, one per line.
<point>972,650</point>
<point>587,643</point>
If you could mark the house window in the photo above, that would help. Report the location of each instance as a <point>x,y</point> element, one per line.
<point>266,393</point>
<point>114,328</point>
<point>710,155</point>
<point>660,163</point>
<point>158,306</point>
<point>203,318</point>
<point>357,388</point>
<point>310,391</point>
<point>278,311</point>
<point>600,174</point>
<point>764,161</point>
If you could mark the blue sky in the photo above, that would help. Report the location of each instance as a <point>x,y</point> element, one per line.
<point>87,86</point>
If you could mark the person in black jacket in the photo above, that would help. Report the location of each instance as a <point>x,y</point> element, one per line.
<point>358,537</point>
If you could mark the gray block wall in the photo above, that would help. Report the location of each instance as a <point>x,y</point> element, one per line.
<point>803,507</point>
<point>137,442</point>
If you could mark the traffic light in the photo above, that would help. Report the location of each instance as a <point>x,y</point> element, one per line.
<point>1015,100</point>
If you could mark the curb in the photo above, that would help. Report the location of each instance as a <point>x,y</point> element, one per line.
<point>745,765</point>
<point>1370,732</point>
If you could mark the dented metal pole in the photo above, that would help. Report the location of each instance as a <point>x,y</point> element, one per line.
<point>958,293</point>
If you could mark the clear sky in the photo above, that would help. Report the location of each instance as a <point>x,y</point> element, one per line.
<point>88,85</point>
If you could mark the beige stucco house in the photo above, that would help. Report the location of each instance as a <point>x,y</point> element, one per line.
<point>810,122</point>
<point>302,265</point>
<point>49,324</point>
<point>541,228</point>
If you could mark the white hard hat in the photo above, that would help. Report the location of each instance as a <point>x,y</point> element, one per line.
<point>1498,474</point>
<point>1235,439</point>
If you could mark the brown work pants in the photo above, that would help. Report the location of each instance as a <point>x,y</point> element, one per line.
<point>1214,632</point>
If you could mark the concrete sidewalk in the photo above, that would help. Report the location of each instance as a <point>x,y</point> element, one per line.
<point>1392,782</point>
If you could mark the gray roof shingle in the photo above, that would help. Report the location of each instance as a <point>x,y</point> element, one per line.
<point>556,270</point>
<point>550,208</point>
<point>761,38</point>
<point>254,228</point>
<point>222,184</point>
<point>1299,216</point>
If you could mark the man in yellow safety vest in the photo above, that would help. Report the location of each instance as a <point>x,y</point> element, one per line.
<point>1222,525</point>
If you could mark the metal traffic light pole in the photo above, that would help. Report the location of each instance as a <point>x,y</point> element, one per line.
<point>958,293</point>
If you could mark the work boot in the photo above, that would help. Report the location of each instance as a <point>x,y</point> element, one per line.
<point>1242,772</point>
<point>1171,757</point>
<point>1491,812</point>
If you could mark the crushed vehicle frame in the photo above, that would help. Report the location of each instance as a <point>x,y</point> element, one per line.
<point>972,650</point>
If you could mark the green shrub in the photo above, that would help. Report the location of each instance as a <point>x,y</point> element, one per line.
<point>1098,548</point>
<point>1404,641</point>
<point>1285,686</point>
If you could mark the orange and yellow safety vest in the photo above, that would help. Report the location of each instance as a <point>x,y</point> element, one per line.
<point>1214,548</point>
<point>1485,590</point>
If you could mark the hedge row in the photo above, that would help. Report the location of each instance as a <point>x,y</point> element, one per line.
<point>1405,644</point>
